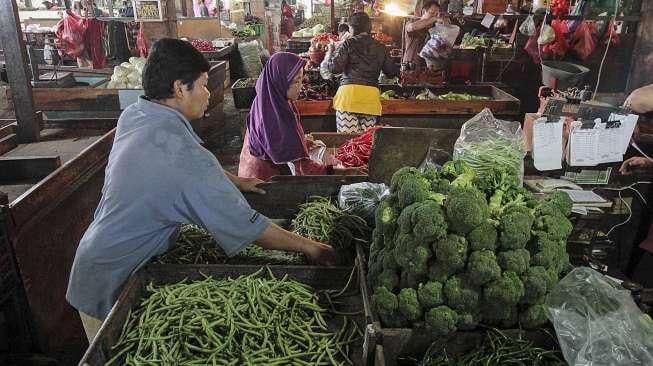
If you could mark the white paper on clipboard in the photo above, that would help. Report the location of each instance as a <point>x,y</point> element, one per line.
<point>547,144</point>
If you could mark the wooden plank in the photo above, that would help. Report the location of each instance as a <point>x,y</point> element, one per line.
<point>27,167</point>
<point>11,38</point>
<point>7,130</point>
<point>8,143</point>
<point>74,99</point>
<point>314,107</point>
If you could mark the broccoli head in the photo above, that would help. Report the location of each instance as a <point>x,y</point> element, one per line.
<point>428,221</point>
<point>536,281</point>
<point>417,261</point>
<point>467,321</point>
<point>483,236</point>
<point>441,186</point>
<point>431,174</point>
<point>507,290</point>
<point>482,267</point>
<point>408,304</point>
<point>461,173</point>
<point>460,295</point>
<point>562,201</point>
<point>401,176</point>
<point>501,315</point>
<point>405,220</point>
<point>439,273</point>
<point>404,243</point>
<point>533,316</point>
<point>384,301</point>
<point>441,320</point>
<point>409,279</point>
<point>465,208</point>
<point>550,220</point>
<point>388,260</point>
<point>430,294</point>
<point>517,260</point>
<point>414,189</point>
<point>451,252</point>
<point>553,278</point>
<point>387,279</point>
<point>548,252</point>
<point>386,217</point>
<point>515,228</point>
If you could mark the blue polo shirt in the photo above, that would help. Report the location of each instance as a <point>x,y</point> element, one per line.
<point>158,176</point>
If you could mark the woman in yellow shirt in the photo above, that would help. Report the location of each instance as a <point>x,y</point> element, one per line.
<point>360,59</point>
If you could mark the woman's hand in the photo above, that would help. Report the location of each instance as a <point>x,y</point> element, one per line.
<point>250,185</point>
<point>634,163</point>
<point>340,170</point>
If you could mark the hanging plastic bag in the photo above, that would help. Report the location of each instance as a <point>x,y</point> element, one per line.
<point>95,31</point>
<point>440,43</point>
<point>362,198</point>
<point>69,34</point>
<point>528,28</point>
<point>486,143</point>
<point>141,42</point>
<point>577,10</point>
<point>532,48</point>
<point>582,41</point>
<point>547,35</point>
<point>559,47</point>
<point>615,40</point>
<point>434,159</point>
<point>324,69</point>
<point>598,323</point>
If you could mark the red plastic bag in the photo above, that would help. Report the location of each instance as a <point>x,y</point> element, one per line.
<point>582,41</point>
<point>93,42</point>
<point>531,47</point>
<point>612,28</point>
<point>141,42</point>
<point>558,48</point>
<point>70,31</point>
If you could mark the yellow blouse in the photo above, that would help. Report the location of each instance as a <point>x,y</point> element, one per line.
<point>361,99</point>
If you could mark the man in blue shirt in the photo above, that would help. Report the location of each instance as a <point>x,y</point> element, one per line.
<point>159,176</point>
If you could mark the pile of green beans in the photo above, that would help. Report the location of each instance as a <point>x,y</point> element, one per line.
<point>196,245</point>
<point>321,220</point>
<point>250,320</point>
<point>497,349</point>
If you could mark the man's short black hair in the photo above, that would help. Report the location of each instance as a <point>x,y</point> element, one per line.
<point>169,60</point>
<point>360,23</point>
<point>343,27</point>
<point>427,4</point>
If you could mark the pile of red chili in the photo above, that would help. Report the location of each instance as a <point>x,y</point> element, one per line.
<point>356,152</point>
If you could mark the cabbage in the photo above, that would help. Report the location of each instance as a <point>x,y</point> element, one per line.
<point>132,59</point>
<point>127,65</point>
<point>120,71</point>
<point>307,32</point>
<point>297,34</point>
<point>318,28</point>
<point>111,85</point>
<point>133,77</point>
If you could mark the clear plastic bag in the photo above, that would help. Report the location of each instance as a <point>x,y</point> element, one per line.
<point>598,323</point>
<point>547,35</point>
<point>324,70</point>
<point>528,28</point>
<point>434,159</point>
<point>486,142</point>
<point>440,43</point>
<point>250,55</point>
<point>362,198</point>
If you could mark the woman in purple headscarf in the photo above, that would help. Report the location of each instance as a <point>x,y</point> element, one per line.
<point>275,143</point>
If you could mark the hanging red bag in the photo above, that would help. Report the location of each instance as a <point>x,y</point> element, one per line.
<point>69,34</point>
<point>582,41</point>
<point>558,48</point>
<point>612,29</point>
<point>141,42</point>
<point>93,41</point>
<point>531,48</point>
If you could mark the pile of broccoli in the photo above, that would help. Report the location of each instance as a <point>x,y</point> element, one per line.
<point>451,251</point>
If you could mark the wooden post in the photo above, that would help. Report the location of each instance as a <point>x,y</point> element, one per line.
<point>110,7</point>
<point>20,80</point>
<point>334,27</point>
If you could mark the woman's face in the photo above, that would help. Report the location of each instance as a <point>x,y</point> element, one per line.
<point>295,85</point>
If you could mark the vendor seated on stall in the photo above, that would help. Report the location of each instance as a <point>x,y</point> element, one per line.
<point>416,32</point>
<point>159,176</point>
<point>275,143</point>
<point>360,59</point>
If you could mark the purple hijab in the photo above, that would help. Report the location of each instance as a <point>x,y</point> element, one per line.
<point>274,130</point>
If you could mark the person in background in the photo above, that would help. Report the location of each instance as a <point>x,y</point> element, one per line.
<point>416,32</point>
<point>158,177</point>
<point>287,26</point>
<point>343,32</point>
<point>127,10</point>
<point>90,9</point>
<point>275,143</point>
<point>640,266</point>
<point>360,59</point>
<point>204,11</point>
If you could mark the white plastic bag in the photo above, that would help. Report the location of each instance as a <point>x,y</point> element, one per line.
<point>527,28</point>
<point>362,198</point>
<point>598,323</point>
<point>435,158</point>
<point>250,55</point>
<point>486,143</point>
<point>547,35</point>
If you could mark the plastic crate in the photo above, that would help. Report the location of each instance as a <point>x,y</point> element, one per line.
<point>100,349</point>
<point>243,95</point>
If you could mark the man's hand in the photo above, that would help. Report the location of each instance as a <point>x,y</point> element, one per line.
<point>634,163</point>
<point>321,254</point>
<point>250,185</point>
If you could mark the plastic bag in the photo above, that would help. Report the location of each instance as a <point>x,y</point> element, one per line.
<point>528,28</point>
<point>547,35</point>
<point>532,48</point>
<point>324,70</point>
<point>440,43</point>
<point>598,323</point>
<point>69,34</point>
<point>612,29</point>
<point>362,198</point>
<point>434,159</point>
<point>582,41</point>
<point>486,142</point>
<point>95,31</point>
<point>559,47</point>
<point>141,42</point>
<point>249,53</point>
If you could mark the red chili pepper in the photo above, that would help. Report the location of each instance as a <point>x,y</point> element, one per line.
<point>356,152</point>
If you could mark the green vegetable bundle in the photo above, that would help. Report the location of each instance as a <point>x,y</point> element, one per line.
<point>449,252</point>
<point>196,245</point>
<point>250,320</point>
<point>321,220</point>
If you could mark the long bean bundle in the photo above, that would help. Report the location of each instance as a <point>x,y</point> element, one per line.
<point>250,320</point>
<point>321,220</point>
